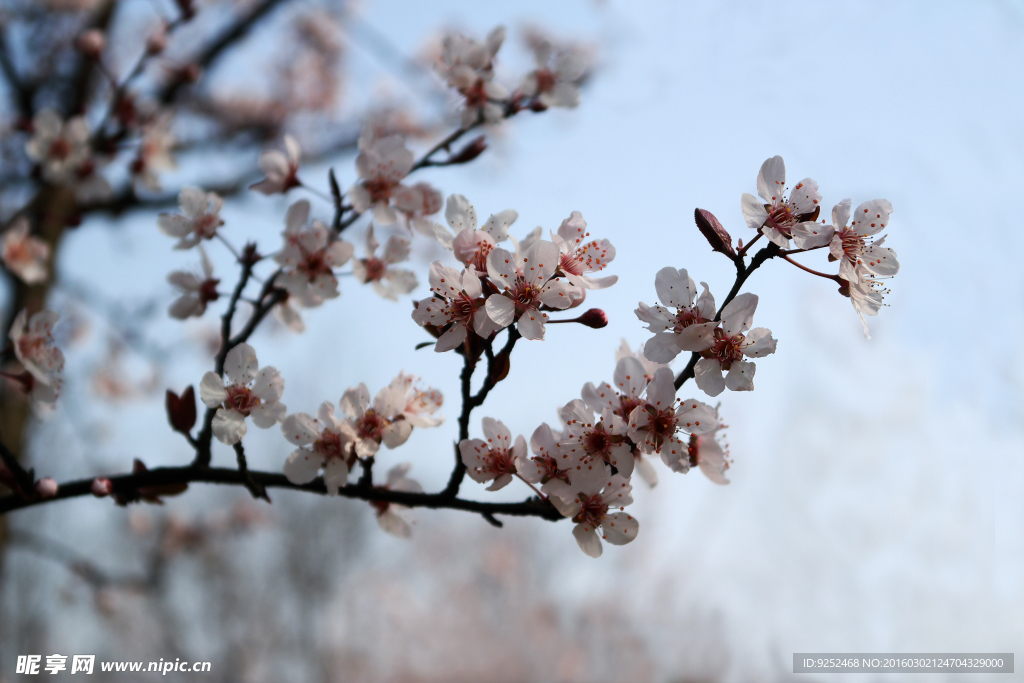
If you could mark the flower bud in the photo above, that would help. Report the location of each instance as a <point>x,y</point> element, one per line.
<point>46,488</point>
<point>91,43</point>
<point>101,486</point>
<point>716,235</point>
<point>595,318</point>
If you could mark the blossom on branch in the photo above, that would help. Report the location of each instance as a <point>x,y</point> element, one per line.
<point>550,465</point>
<point>850,246</point>
<point>782,218</point>
<point>23,254</point>
<point>387,281</point>
<point>493,459</point>
<point>414,203</point>
<point>590,510</point>
<point>280,170</point>
<point>655,424</point>
<point>32,339</point>
<point>708,453</point>
<point>526,283</point>
<point>417,406</point>
<point>382,163</point>
<point>577,257</point>
<point>323,444</point>
<point>554,83</point>
<point>309,257</point>
<point>457,304</point>
<point>471,246</point>
<point>690,328</point>
<point>468,66</point>
<point>58,146</point>
<point>392,517</point>
<point>196,290</point>
<point>396,409</point>
<point>198,220</point>
<point>733,342</point>
<point>867,295</point>
<point>250,392</point>
<point>593,440</point>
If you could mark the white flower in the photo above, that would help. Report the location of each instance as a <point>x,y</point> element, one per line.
<point>387,281</point>
<point>654,425</point>
<point>554,81</point>
<point>731,343</point>
<point>383,422</point>
<point>382,163</point>
<point>414,203</point>
<point>551,466</point>
<point>392,517</point>
<point>850,246</point>
<point>470,245</point>
<point>577,257</point>
<point>198,220</point>
<point>782,218</point>
<point>458,303</point>
<point>495,458</point>
<point>602,440</point>
<point>690,328</point>
<point>707,452</point>
<point>328,442</point>
<point>35,349</point>
<point>590,511</point>
<point>154,153</point>
<point>416,405</point>
<point>867,294</point>
<point>59,147</point>
<point>468,66</point>
<point>527,283</point>
<point>250,392</point>
<point>23,254</point>
<point>196,290</point>
<point>309,257</point>
<point>279,170</point>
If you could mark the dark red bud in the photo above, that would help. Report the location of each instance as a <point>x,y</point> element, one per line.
<point>713,232</point>
<point>181,411</point>
<point>469,152</point>
<point>595,318</point>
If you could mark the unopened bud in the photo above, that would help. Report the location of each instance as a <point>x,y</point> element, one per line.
<point>101,486</point>
<point>91,43</point>
<point>595,318</point>
<point>469,152</point>
<point>716,235</point>
<point>46,488</point>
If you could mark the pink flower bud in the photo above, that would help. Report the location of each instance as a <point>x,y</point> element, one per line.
<point>595,318</point>
<point>46,488</point>
<point>91,43</point>
<point>101,487</point>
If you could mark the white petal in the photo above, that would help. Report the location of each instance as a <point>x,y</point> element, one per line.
<point>240,365</point>
<point>266,415</point>
<point>586,537</point>
<point>269,385</point>
<point>708,376</point>
<point>460,214</point>
<point>228,426</point>
<point>531,325</point>
<point>675,287</point>
<point>500,309</point>
<point>211,390</point>
<point>771,179</point>
<point>498,224</point>
<point>759,343</point>
<point>663,347</point>
<point>335,475</point>
<point>741,376</point>
<point>301,429</point>
<point>302,466</point>
<point>753,211</point>
<point>397,433</point>
<point>739,314</point>
<point>393,523</point>
<point>619,528</point>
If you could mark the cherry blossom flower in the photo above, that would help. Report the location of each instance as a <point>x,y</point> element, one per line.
<point>382,163</point>
<point>554,81</point>
<point>323,443</point>
<point>198,220</point>
<point>309,257</point>
<point>32,339</point>
<point>154,153</point>
<point>551,466</point>
<point>468,66</point>
<point>527,282</point>
<point>782,218</point>
<point>732,342</point>
<point>457,303</point>
<point>417,406</point>
<point>709,453</point>
<point>470,245</point>
<point>58,147</point>
<point>414,203</point>
<point>867,295</point>
<point>493,459</point>
<point>387,281</point>
<point>850,246</point>
<point>24,255</point>
<point>250,392</point>
<point>596,440</point>
<point>196,290</point>
<point>392,517</point>
<point>690,328</point>
<point>280,170</point>
<point>383,422</point>
<point>590,510</point>
<point>578,257</point>
<point>286,314</point>
<point>655,424</point>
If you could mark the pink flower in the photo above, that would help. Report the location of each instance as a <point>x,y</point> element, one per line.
<point>387,281</point>
<point>596,440</point>
<point>280,171</point>
<point>551,466</point>
<point>470,245</point>
<point>527,283</point>
<point>655,424</point>
<point>495,459</point>
<point>392,517</point>
<point>414,203</point>
<point>323,443</point>
<point>383,422</point>
<point>382,163</point>
<point>690,328</point>
<point>249,392</point>
<point>850,246</point>
<point>58,147</point>
<point>579,257</point>
<point>23,254</point>
<point>196,290</point>
<point>416,406</point>
<point>35,349</point>
<point>198,220</point>
<point>309,257</point>
<point>457,303</point>
<point>708,453</point>
<point>468,66</point>
<point>783,218</point>
<point>732,342</point>
<point>590,510</point>
<point>555,80</point>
